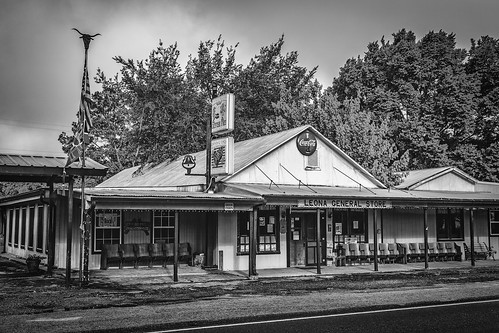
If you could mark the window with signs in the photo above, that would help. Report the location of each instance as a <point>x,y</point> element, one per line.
<point>243,232</point>
<point>267,232</point>
<point>107,228</point>
<point>164,226</point>
<point>494,222</point>
<point>350,225</point>
<point>450,224</point>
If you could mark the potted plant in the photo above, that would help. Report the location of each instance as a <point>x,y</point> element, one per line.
<point>33,262</point>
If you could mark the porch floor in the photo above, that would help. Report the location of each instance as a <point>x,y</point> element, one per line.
<point>195,274</point>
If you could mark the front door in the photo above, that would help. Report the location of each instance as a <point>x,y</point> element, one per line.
<point>303,238</point>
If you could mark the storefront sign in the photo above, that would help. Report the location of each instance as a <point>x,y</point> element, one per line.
<point>222,114</point>
<point>344,203</point>
<point>306,143</point>
<point>222,156</point>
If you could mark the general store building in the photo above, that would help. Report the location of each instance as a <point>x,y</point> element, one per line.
<point>292,197</point>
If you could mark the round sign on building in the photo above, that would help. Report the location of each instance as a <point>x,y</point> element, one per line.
<point>306,143</point>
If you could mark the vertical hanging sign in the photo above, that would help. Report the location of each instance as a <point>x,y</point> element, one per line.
<point>222,114</point>
<point>222,156</point>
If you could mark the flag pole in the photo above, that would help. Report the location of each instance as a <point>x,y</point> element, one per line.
<point>84,241</point>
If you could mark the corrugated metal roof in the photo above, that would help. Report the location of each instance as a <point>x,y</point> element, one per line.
<point>245,153</point>
<point>424,175</point>
<point>45,161</point>
<point>173,174</point>
<point>38,168</point>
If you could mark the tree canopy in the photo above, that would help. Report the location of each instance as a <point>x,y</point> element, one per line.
<point>405,104</point>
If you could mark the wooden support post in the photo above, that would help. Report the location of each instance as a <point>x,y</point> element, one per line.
<point>375,241</point>
<point>318,247</point>
<point>69,240</point>
<point>175,251</point>
<point>472,238</point>
<point>253,243</point>
<point>425,218</point>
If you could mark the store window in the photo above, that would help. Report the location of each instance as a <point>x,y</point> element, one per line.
<point>494,222</point>
<point>164,226</point>
<point>11,227</point>
<point>107,228</point>
<point>31,228</point>
<point>350,226</point>
<point>267,232</point>
<point>39,225</point>
<point>23,228</point>
<point>450,224</point>
<point>243,232</point>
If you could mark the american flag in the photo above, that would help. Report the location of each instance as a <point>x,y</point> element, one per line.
<point>84,119</point>
<point>85,102</point>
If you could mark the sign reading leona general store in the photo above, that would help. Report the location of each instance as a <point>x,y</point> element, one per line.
<point>344,203</point>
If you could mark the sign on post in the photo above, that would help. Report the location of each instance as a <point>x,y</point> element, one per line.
<point>222,114</point>
<point>222,156</point>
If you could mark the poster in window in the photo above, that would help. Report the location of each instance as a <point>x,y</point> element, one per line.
<point>296,235</point>
<point>272,219</point>
<point>338,228</point>
<point>107,220</point>
<point>270,228</point>
<point>261,221</point>
<point>355,224</point>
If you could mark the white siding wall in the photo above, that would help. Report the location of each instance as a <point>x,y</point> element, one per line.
<point>289,156</point>
<point>447,182</point>
<point>227,242</point>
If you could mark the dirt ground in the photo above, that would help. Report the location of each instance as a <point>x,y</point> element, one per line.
<point>24,293</point>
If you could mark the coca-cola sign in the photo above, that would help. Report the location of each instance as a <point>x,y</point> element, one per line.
<point>306,143</point>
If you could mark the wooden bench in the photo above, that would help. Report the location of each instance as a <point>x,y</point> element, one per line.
<point>480,251</point>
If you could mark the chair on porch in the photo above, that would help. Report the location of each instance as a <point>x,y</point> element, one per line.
<point>414,253</point>
<point>157,253</point>
<point>169,249</point>
<point>110,252</point>
<point>441,251</point>
<point>383,252</point>
<point>393,253</point>
<point>143,254</point>
<point>352,253</point>
<point>432,251</point>
<point>364,253</point>
<point>184,252</point>
<point>128,254</point>
<point>450,251</point>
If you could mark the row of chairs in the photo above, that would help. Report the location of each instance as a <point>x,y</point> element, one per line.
<point>147,253</point>
<point>480,251</point>
<point>397,252</point>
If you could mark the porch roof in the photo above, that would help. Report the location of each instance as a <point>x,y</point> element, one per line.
<point>290,194</point>
<point>44,169</point>
<point>104,198</point>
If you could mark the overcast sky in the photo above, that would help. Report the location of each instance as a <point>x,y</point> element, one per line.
<point>41,58</point>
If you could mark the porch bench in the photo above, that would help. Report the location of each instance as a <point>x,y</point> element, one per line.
<point>479,249</point>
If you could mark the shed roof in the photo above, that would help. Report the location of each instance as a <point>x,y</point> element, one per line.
<point>38,168</point>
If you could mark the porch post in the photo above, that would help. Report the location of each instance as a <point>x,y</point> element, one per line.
<point>252,244</point>
<point>472,238</point>
<point>318,247</point>
<point>425,237</point>
<point>69,240</point>
<point>375,241</point>
<point>175,250</point>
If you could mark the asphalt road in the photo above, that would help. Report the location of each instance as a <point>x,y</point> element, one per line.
<point>482,316</point>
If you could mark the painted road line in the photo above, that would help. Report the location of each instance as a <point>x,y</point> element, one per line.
<point>325,316</point>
